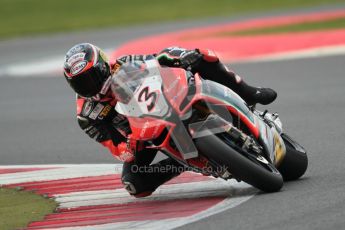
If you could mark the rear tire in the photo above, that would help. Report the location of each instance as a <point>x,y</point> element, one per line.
<point>295,162</point>
<point>241,167</point>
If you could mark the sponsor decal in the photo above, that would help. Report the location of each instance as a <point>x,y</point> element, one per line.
<point>105,112</point>
<point>96,111</point>
<point>75,58</point>
<point>155,131</point>
<point>76,49</point>
<point>116,66</point>
<point>279,149</point>
<point>78,67</point>
<point>143,130</point>
<point>87,108</point>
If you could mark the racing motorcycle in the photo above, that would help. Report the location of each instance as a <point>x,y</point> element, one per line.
<point>205,126</point>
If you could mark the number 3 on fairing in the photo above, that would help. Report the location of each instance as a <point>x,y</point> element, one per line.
<point>147,96</point>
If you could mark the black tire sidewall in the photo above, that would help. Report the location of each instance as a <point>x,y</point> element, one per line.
<point>239,166</point>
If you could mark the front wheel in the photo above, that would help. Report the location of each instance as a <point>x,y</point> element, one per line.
<point>249,170</point>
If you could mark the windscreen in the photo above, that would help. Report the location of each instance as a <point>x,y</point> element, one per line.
<point>127,79</point>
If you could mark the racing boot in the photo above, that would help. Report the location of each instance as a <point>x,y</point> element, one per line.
<point>253,95</point>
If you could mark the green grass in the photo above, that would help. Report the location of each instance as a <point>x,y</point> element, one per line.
<point>24,17</point>
<point>292,28</point>
<point>18,208</point>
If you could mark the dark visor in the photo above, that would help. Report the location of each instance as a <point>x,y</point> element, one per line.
<point>87,84</point>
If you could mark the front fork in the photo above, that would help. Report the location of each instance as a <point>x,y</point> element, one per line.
<point>270,135</point>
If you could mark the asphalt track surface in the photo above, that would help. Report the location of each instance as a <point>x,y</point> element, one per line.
<point>37,124</point>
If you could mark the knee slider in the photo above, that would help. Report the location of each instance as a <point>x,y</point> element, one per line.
<point>135,187</point>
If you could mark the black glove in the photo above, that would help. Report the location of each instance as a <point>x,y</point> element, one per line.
<point>190,59</point>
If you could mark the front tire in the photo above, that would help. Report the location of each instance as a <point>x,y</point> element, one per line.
<point>295,162</point>
<point>239,166</point>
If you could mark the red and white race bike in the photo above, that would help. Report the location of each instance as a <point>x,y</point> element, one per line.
<point>206,126</point>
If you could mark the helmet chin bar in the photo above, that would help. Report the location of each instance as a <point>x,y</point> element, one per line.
<point>103,91</point>
<point>106,86</point>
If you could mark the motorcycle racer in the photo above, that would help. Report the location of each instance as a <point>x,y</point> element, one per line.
<point>88,71</point>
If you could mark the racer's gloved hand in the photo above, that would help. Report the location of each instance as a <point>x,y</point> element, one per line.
<point>93,129</point>
<point>190,59</point>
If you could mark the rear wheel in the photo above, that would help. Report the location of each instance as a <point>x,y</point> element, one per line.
<point>295,162</point>
<point>255,171</point>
